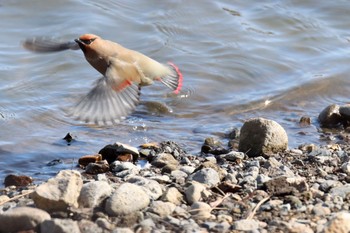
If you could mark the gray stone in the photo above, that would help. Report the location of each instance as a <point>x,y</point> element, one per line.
<point>345,167</point>
<point>200,210</point>
<point>104,224</point>
<point>194,192</point>
<point>342,191</point>
<point>151,187</point>
<point>245,225</point>
<point>187,169</point>
<point>206,176</point>
<point>22,219</point>
<point>173,195</point>
<point>122,230</point>
<point>321,210</point>
<point>118,166</point>
<point>127,199</point>
<point>147,225</point>
<point>162,208</point>
<point>60,192</point>
<point>87,226</point>
<point>177,175</point>
<point>93,193</point>
<point>57,225</point>
<point>260,136</point>
<point>234,156</point>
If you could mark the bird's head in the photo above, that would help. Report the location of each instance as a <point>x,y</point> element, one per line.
<point>86,41</point>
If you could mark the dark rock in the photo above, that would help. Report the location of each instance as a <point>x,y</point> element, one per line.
<point>112,152</point>
<point>13,180</point>
<point>213,146</point>
<point>286,185</point>
<point>97,168</point>
<point>260,136</point>
<point>54,162</point>
<point>305,121</point>
<point>330,116</point>
<point>69,138</point>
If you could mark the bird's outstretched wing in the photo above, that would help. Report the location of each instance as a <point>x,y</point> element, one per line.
<point>113,97</point>
<point>48,44</point>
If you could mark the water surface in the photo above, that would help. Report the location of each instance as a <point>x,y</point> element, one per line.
<point>240,59</point>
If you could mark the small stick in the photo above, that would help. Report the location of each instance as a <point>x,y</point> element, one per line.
<point>252,213</point>
<point>17,197</point>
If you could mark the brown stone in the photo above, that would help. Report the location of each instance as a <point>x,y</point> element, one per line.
<point>13,180</point>
<point>86,159</point>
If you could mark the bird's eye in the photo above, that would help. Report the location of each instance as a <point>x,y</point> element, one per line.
<point>88,41</point>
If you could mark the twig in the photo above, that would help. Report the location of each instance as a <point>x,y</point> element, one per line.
<point>219,201</point>
<point>17,197</point>
<point>252,213</point>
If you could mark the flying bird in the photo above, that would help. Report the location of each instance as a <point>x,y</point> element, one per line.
<point>124,71</point>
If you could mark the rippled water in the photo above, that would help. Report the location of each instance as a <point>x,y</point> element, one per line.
<point>236,56</point>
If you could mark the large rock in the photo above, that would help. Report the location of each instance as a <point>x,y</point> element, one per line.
<point>60,192</point>
<point>127,199</point>
<point>22,219</point>
<point>339,223</point>
<point>60,226</point>
<point>93,193</point>
<point>260,136</point>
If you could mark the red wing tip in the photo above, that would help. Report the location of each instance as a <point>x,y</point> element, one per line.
<point>180,79</point>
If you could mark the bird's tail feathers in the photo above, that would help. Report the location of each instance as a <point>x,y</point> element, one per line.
<point>174,79</point>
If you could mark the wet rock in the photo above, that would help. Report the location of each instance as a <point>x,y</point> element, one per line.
<point>172,148</point>
<point>86,159</point>
<point>93,193</point>
<point>262,137</point>
<point>60,226</point>
<point>97,168</point>
<point>151,187</point>
<point>200,210</point>
<point>60,192</point>
<point>173,195</point>
<point>339,223</point>
<point>68,138</point>
<point>305,121</point>
<point>127,199</point>
<point>286,185</point>
<point>162,208</point>
<point>246,225</point>
<point>164,159</point>
<point>213,146</point>
<point>22,219</point>
<point>14,180</point>
<point>112,152</point>
<point>206,176</point>
<point>123,169</point>
<point>330,116</point>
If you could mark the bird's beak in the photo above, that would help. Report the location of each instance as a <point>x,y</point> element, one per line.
<point>81,44</point>
<point>78,41</point>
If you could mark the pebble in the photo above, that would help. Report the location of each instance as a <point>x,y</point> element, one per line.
<point>162,208</point>
<point>194,192</point>
<point>14,180</point>
<point>93,193</point>
<point>60,226</point>
<point>22,219</point>
<point>245,225</point>
<point>330,116</point>
<point>173,195</point>
<point>207,176</point>
<point>163,160</point>
<point>200,210</point>
<point>151,187</point>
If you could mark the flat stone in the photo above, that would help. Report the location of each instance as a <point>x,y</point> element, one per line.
<point>164,159</point>
<point>207,176</point>
<point>245,225</point>
<point>57,225</point>
<point>93,193</point>
<point>162,208</point>
<point>286,185</point>
<point>128,198</point>
<point>22,219</point>
<point>60,192</point>
<point>260,136</point>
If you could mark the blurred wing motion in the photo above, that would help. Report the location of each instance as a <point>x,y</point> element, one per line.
<point>113,97</point>
<point>48,44</point>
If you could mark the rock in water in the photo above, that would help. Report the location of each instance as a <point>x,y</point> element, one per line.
<point>330,116</point>
<point>60,192</point>
<point>260,136</point>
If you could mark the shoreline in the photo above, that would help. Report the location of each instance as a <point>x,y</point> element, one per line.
<point>268,188</point>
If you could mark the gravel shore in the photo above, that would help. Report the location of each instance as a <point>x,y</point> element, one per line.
<point>254,184</point>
